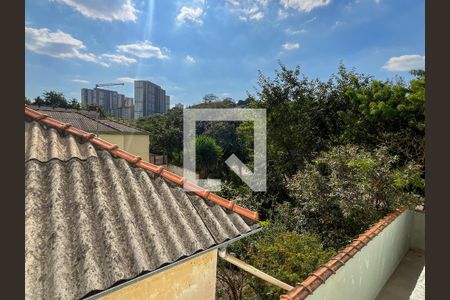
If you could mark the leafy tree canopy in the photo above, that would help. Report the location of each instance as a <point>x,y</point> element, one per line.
<point>346,189</point>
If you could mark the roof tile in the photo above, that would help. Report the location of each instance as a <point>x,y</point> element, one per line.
<point>93,220</point>
<point>134,159</point>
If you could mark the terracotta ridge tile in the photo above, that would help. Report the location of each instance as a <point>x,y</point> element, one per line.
<point>114,150</point>
<point>318,277</point>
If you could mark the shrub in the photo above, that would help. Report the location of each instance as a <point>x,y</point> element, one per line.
<point>346,189</point>
<point>287,256</point>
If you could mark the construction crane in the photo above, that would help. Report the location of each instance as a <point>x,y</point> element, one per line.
<point>108,84</point>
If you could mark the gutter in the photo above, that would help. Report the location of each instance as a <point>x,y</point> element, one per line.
<point>252,270</point>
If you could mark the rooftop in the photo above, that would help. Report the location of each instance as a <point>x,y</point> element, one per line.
<point>97,216</point>
<point>87,120</point>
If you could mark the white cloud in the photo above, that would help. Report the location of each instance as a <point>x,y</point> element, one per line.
<point>189,59</point>
<point>304,5</point>
<point>57,44</point>
<point>80,81</point>
<point>248,10</point>
<point>282,14</point>
<point>111,10</point>
<point>190,14</point>
<point>142,50</point>
<point>258,16</point>
<point>291,46</point>
<point>291,31</point>
<point>62,45</point>
<point>337,24</point>
<point>311,20</point>
<point>119,59</point>
<point>405,63</point>
<point>126,79</point>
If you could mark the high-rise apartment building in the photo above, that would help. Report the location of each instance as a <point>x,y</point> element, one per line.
<point>87,96</point>
<point>112,102</point>
<point>126,110</point>
<point>167,103</point>
<point>149,98</point>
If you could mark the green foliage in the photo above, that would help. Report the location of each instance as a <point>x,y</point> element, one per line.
<point>166,134</point>
<point>55,99</point>
<point>38,101</point>
<point>216,103</point>
<point>74,104</point>
<point>346,189</point>
<point>208,98</point>
<point>287,256</point>
<point>208,154</point>
<point>341,154</point>
<point>383,113</point>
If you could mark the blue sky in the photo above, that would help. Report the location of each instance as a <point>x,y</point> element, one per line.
<point>195,47</point>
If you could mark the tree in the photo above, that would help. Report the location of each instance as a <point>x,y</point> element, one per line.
<point>217,103</point>
<point>297,125</point>
<point>27,101</point>
<point>208,154</point>
<point>226,136</point>
<point>208,98</point>
<point>38,101</point>
<point>386,113</point>
<point>346,189</point>
<point>166,134</point>
<point>75,104</point>
<point>55,99</point>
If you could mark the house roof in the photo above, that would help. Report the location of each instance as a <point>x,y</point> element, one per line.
<point>305,288</point>
<point>96,216</point>
<point>86,120</point>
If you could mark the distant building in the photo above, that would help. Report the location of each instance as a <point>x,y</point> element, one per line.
<point>179,105</point>
<point>112,102</point>
<point>167,103</point>
<point>149,98</point>
<point>126,111</point>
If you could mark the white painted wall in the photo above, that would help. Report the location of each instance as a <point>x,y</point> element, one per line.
<point>418,231</point>
<point>363,276</point>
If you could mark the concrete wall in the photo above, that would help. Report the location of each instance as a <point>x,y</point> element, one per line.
<point>137,144</point>
<point>194,279</point>
<point>363,276</point>
<point>418,231</point>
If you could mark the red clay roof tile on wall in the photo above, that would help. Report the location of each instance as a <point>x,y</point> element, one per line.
<point>137,161</point>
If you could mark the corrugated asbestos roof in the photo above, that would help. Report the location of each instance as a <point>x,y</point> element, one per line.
<point>86,120</point>
<point>93,220</point>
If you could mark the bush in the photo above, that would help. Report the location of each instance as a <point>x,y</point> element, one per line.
<point>208,154</point>
<point>287,256</point>
<point>346,189</point>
